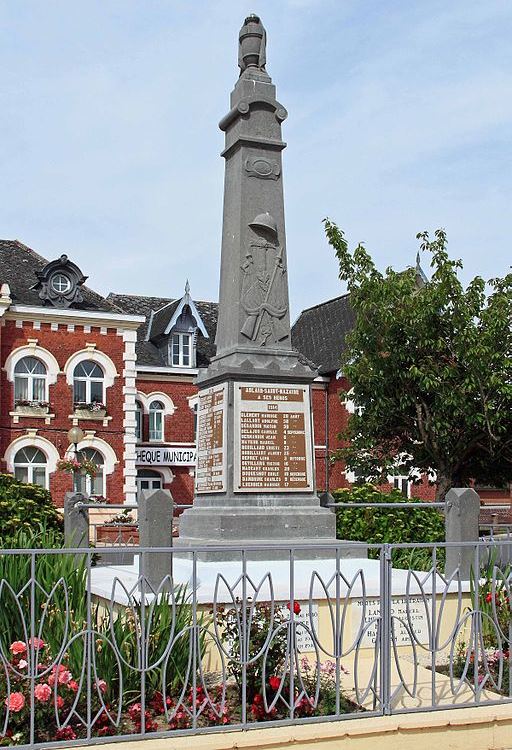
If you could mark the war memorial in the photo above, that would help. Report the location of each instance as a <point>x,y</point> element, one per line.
<point>255,475</point>
<point>256,627</point>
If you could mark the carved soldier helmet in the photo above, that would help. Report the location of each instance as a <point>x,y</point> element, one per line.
<point>266,222</point>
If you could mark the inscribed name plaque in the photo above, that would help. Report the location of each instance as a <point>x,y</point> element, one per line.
<point>211,428</point>
<point>272,440</point>
<point>400,621</point>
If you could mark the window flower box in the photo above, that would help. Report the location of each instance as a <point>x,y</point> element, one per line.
<point>95,410</point>
<point>32,408</point>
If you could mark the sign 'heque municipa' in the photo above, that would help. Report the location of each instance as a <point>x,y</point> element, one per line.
<point>255,471</point>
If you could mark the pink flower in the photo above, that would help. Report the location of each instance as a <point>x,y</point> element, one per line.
<point>18,647</point>
<point>102,685</point>
<point>37,643</point>
<point>65,676</point>
<point>73,685</point>
<point>15,702</point>
<point>60,701</point>
<point>43,692</point>
<point>22,664</point>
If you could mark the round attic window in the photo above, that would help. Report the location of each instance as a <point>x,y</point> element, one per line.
<point>61,283</point>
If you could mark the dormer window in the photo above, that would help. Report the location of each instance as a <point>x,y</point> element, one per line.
<point>175,329</point>
<point>61,283</point>
<point>181,350</point>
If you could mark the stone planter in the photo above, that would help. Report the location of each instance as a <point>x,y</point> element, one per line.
<point>88,414</point>
<point>34,411</point>
<point>118,534</point>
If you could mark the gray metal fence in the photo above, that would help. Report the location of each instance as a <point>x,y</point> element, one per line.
<point>88,653</point>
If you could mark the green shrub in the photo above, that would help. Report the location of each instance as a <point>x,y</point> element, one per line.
<point>26,507</point>
<point>393,526</point>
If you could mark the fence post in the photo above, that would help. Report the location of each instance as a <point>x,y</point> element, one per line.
<point>76,521</point>
<point>385,632</point>
<point>155,530</point>
<point>462,511</point>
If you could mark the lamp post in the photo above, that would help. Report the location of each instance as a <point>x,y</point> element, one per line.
<point>75,436</point>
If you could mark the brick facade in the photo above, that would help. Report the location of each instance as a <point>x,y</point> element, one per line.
<point>65,342</point>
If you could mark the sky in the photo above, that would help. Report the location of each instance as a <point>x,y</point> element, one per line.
<point>400,120</point>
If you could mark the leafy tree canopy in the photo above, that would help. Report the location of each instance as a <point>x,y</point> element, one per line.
<point>430,365</point>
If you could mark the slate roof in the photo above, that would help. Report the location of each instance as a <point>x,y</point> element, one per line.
<point>162,317</point>
<point>147,353</point>
<point>320,331</point>
<point>18,266</point>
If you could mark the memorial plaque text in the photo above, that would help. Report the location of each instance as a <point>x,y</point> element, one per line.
<point>211,428</point>
<point>272,438</point>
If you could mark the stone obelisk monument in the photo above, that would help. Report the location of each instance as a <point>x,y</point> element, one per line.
<point>255,471</point>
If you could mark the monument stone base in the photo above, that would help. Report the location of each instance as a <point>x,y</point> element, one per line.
<point>274,526</point>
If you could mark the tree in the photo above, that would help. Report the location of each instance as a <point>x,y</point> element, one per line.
<point>430,365</point>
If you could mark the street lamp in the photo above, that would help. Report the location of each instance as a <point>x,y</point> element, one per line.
<point>75,436</point>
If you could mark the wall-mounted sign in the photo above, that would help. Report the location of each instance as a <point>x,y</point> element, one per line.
<point>165,456</point>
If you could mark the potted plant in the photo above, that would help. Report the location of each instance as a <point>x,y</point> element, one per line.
<point>122,529</point>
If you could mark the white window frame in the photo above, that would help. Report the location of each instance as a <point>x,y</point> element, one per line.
<point>153,412</point>
<point>180,337</point>
<point>88,380</point>
<point>30,466</point>
<point>30,377</point>
<point>56,278</point>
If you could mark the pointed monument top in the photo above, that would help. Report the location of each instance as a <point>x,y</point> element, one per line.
<point>252,42</point>
<point>187,287</point>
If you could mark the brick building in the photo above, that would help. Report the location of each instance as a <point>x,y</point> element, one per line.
<point>122,368</point>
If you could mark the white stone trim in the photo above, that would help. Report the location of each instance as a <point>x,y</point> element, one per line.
<point>48,312</point>
<point>129,408</point>
<point>168,370</point>
<point>31,349</point>
<point>102,359</point>
<point>35,441</point>
<point>147,398</point>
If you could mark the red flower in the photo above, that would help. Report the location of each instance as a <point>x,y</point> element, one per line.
<point>18,647</point>
<point>274,682</point>
<point>65,733</point>
<point>15,702</point>
<point>488,598</point>
<point>296,607</point>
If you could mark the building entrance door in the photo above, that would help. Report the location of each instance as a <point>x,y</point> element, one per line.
<point>148,480</point>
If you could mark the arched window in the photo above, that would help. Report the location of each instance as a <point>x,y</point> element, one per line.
<point>30,466</point>
<point>94,486</point>
<point>139,414</point>
<point>30,380</point>
<point>88,383</point>
<point>156,421</point>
